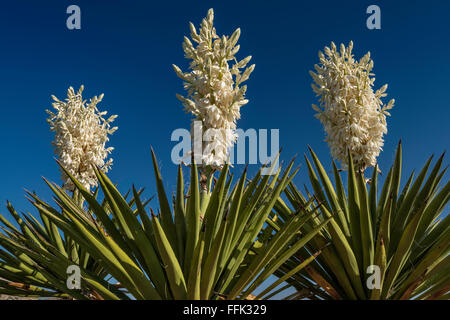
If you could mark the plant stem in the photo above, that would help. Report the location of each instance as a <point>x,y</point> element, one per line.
<point>76,195</point>
<point>206,177</point>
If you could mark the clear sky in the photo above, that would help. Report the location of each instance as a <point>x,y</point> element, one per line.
<point>125,50</point>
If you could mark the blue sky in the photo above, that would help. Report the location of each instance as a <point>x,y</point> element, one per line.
<point>125,50</point>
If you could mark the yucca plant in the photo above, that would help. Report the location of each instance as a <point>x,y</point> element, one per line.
<point>392,247</point>
<point>20,273</point>
<point>179,253</point>
<point>400,231</point>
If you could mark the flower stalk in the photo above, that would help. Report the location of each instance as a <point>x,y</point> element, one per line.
<point>214,88</point>
<point>81,134</point>
<point>353,115</point>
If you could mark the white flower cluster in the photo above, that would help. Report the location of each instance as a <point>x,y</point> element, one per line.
<point>81,133</point>
<point>214,93</point>
<point>353,115</point>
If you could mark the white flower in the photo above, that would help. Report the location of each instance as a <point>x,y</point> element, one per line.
<point>81,133</point>
<point>352,114</point>
<point>214,95</point>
